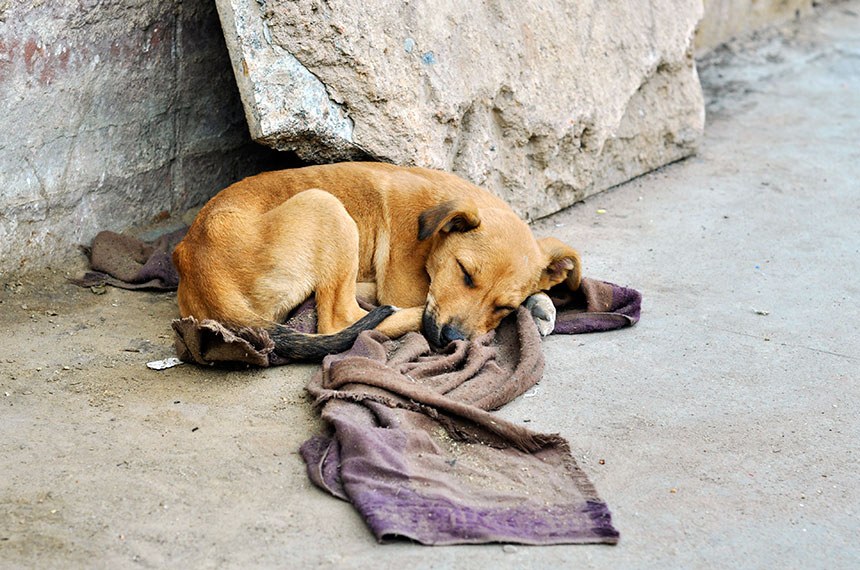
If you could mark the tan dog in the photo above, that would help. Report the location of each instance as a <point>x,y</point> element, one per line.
<point>455,256</point>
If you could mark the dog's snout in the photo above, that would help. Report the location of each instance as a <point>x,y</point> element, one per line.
<point>430,328</point>
<point>450,334</point>
<point>439,336</point>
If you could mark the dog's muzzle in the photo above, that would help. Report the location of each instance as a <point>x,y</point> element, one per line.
<point>439,336</point>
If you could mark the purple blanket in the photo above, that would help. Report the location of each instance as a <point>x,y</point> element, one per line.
<point>129,263</point>
<point>412,443</point>
<point>414,448</point>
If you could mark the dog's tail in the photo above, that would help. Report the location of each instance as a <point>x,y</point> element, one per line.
<point>295,345</point>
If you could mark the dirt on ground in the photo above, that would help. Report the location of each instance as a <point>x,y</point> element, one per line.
<point>104,457</point>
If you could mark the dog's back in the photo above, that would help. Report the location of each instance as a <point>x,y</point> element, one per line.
<point>260,248</point>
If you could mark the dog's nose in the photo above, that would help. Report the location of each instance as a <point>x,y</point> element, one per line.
<point>450,334</point>
<point>430,329</point>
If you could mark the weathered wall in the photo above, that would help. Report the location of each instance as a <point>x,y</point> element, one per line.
<point>110,112</point>
<point>725,19</point>
<point>541,101</point>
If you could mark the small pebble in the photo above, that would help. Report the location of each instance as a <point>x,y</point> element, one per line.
<point>509,549</point>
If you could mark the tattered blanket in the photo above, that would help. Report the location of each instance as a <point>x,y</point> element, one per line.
<point>413,445</point>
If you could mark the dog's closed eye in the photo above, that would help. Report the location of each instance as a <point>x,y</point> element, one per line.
<point>467,277</point>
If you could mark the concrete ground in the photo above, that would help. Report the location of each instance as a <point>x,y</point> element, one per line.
<point>722,430</point>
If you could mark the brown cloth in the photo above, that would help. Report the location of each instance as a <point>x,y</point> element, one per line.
<point>130,263</point>
<point>413,445</point>
<point>415,449</point>
<point>209,342</point>
<point>595,307</point>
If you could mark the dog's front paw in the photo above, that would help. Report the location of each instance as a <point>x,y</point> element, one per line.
<point>543,312</point>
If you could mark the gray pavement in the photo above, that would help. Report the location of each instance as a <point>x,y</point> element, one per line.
<point>722,430</point>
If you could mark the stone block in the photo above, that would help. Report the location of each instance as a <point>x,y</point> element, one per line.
<point>112,112</point>
<point>541,101</point>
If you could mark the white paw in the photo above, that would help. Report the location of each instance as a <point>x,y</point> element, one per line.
<point>543,312</point>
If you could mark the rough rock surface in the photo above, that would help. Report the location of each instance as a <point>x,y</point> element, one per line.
<point>540,101</point>
<point>111,113</point>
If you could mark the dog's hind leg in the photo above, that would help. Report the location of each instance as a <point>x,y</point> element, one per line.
<point>366,292</point>
<point>337,307</point>
<point>336,247</point>
<point>312,245</point>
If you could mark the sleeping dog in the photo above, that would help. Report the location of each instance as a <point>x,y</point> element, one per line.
<point>452,256</point>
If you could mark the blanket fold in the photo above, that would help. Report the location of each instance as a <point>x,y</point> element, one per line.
<point>597,307</point>
<point>426,460</point>
<point>413,444</point>
<point>130,263</point>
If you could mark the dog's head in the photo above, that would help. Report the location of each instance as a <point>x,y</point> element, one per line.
<point>483,263</point>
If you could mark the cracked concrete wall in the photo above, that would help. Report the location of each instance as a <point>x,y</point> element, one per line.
<point>111,112</point>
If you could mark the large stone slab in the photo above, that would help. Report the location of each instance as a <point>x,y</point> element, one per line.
<point>540,101</point>
<point>110,114</point>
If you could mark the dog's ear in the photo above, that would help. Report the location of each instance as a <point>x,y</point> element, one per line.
<point>452,216</point>
<point>563,264</point>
